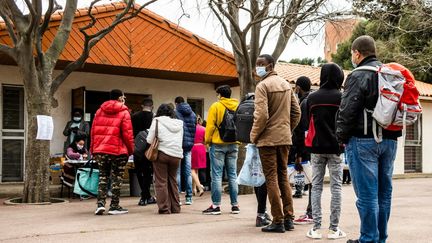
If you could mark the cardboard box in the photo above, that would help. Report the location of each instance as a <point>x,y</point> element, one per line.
<point>55,177</point>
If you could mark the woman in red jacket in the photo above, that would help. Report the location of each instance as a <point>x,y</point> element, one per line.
<point>111,144</point>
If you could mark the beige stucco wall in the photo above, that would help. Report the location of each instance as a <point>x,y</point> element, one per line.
<point>427,136</point>
<point>162,91</point>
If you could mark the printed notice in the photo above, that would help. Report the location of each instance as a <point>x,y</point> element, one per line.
<point>45,127</point>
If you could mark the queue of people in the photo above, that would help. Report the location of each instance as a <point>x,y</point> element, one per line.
<point>289,126</point>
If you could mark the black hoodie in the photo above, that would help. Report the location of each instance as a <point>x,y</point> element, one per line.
<point>321,109</point>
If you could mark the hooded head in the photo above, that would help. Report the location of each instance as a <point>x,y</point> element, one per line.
<point>331,76</point>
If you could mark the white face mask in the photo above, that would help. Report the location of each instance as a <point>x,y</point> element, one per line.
<point>80,147</point>
<point>77,118</point>
<point>261,71</point>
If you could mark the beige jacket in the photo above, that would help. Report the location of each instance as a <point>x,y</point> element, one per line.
<point>277,112</point>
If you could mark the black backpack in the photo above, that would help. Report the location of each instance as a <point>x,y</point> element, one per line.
<point>140,144</point>
<point>227,128</point>
<point>244,118</point>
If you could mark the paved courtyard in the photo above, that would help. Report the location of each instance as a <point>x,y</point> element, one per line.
<point>75,222</point>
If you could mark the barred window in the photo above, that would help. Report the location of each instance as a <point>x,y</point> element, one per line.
<point>413,148</point>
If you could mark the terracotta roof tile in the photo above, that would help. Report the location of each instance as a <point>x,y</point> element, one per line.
<point>291,72</point>
<point>146,42</point>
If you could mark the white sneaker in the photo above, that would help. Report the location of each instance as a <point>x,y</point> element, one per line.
<point>314,234</point>
<point>336,234</point>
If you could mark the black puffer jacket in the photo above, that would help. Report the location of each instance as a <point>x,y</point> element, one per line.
<point>321,109</point>
<point>360,92</point>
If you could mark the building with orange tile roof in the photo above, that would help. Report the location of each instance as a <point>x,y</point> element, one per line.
<point>147,56</point>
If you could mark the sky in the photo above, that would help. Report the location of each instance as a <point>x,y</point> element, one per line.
<point>203,23</point>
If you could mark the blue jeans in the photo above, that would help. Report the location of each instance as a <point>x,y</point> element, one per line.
<point>186,167</point>
<point>223,155</point>
<point>371,167</point>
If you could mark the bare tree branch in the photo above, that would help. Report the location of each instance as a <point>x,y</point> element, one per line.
<point>10,51</point>
<point>9,27</point>
<point>91,40</point>
<point>63,32</point>
<point>236,48</point>
<point>52,7</point>
<point>15,14</point>
<point>34,15</point>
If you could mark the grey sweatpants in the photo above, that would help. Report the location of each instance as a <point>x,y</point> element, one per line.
<point>334,163</point>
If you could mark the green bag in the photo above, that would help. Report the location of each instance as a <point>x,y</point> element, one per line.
<point>87,180</point>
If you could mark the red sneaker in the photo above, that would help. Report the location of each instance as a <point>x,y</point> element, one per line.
<point>304,219</point>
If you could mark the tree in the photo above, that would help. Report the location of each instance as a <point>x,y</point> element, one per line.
<point>248,37</point>
<point>319,61</point>
<point>36,67</point>
<point>402,31</point>
<point>303,61</point>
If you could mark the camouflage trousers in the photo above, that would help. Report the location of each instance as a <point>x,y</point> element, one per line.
<point>114,166</point>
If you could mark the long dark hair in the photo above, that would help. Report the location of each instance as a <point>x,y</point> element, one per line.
<point>74,147</point>
<point>165,110</point>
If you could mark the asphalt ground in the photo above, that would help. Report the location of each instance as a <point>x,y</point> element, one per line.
<point>411,220</point>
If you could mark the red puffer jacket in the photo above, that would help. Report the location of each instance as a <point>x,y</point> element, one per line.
<point>111,131</point>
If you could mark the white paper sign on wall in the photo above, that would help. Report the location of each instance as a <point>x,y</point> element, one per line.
<point>45,127</point>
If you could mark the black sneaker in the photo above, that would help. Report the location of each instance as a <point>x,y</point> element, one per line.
<point>289,224</point>
<point>212,211</point>
<point>353,241</point>
<point>274,228</point>
<point>142,202</point>
<point>267,216</point>
<point>235,210</point>
<point>100,209</point>
<point>262,221</point>
<point>117,210</point>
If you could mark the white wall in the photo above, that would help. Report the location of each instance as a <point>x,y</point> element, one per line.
<point>162,91</point>
<point>427,136</point>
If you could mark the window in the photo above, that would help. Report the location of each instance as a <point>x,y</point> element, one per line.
<point>413,148</point>
<point>12,134</point>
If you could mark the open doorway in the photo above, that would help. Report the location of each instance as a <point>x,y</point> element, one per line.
<point>197,106</point>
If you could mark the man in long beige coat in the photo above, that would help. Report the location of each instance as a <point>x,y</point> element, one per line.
<point>277,113</point>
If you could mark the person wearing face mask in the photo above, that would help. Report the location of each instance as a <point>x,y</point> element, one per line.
<point>77,149</point>
<point>77,126</point>
<point>277,113</point>
<point>112,142</point>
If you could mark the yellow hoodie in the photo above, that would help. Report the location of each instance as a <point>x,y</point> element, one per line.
<point>215,117</point>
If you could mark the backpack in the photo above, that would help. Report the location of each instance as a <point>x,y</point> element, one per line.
<point>398,102</point>
<point>244,118</point>
<point>227,128</point>
<point>140,144</point>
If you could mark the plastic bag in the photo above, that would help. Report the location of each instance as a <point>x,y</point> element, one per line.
<point>251,174</point>
<point>300,177</point>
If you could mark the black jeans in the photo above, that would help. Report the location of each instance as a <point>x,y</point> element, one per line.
<point>144,170</point>
<point>261,196</point>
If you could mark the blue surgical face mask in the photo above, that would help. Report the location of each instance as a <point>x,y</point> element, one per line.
<point>77,118</point>
<point>261,71</point>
